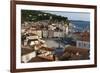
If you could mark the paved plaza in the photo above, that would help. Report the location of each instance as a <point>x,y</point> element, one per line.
<point>53,42</point>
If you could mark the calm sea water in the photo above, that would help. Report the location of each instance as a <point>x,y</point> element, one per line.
<point>81,25</point>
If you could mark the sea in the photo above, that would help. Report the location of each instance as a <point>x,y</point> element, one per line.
<point>81,25</point>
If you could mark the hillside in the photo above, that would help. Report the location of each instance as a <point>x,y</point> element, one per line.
<point>33,15</point>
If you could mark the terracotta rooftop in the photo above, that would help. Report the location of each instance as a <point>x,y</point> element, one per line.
<point>26,50</point>
<point>39,59</point>
<point>74,49</point>
<point>46,48</point>
<point>83,36</point>
<point>77,53</point>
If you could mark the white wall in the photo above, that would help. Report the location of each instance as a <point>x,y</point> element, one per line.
<point>83,44</point>
<point>5,37</point>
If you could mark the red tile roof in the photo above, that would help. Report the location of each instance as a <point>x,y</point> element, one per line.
<point>26,50</point>
<point>83,36</point>
<point>75,49</point>
<point>46,48</point>
<point>39,59</point>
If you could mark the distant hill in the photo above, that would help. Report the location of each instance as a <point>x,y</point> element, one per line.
<point>33,15</point>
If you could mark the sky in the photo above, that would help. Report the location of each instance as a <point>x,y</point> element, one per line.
<point>82,16</point>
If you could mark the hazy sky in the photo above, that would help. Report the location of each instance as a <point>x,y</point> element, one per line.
<point>84,16</point>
